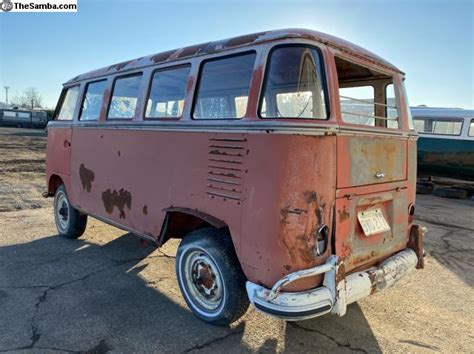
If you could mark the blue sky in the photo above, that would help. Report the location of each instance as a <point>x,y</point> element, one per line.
<point>432,41</point>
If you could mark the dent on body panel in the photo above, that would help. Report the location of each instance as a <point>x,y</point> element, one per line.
<point>306,199</point>
<point>299,226</point>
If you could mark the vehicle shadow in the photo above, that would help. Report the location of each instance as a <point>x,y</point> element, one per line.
<point>77,295</point>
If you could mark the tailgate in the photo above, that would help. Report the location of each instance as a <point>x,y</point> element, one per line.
<point>371,180</point>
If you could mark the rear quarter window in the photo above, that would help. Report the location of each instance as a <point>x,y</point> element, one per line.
<point>294,85</point>
<point>224,86</point>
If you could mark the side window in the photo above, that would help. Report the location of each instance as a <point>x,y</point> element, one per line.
<point>364,104</point>
<point>471,128</point>
<point>124,97</point>
<point>167,92</point>
<point>357,105</point>
<point>68,104</point>
<point>294,85</point>
<point>224,87</point>
<point>92,102</point>
<point>447,127</point>
<point>391,107</point>
<point>420,125</point>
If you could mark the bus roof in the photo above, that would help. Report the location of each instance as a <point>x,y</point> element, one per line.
<point>231,43</point>
<point>439,112</point>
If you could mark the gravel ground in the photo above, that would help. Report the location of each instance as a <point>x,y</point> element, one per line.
<point>108,291</point>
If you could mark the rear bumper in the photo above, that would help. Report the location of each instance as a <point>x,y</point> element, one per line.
<point>337,290</point>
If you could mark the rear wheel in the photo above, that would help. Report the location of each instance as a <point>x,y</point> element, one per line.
<point>70,223</point>
<point>210,277</point>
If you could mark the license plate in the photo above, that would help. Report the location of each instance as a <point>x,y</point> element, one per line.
<point>372,222</point>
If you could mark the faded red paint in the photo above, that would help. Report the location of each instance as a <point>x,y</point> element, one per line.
<point>271,183</point>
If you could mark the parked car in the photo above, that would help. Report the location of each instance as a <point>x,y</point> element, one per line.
<point>282,196</point>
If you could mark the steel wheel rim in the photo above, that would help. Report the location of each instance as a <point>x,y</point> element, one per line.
<point>203,281</point>
<point>61,210</point>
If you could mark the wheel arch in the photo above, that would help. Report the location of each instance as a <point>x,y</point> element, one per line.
<point>179,222</point>
<point>54,182</point>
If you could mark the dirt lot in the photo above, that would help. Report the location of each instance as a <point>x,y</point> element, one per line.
<point>110,292</point>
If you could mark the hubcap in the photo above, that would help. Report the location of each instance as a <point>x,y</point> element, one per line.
<point>203,281</point>
<point>62,211</point>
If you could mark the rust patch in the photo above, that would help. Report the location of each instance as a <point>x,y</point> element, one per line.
<point>193,50</point>
<point>287,267</point>
<point>120,66</point>
<point>247,39</point>
<point>346,250</point>
<point>310,196</point>
<point>87,177</point>
<point>120,199</point>
<point>343,214</point>
<point>373,282</point>
<point>118,153</point>
<point>285,211</point>
<point>145,209</point>
<point>162,56</point>
<point>341,271</point>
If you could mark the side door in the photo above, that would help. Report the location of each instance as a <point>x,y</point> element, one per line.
<point>58,149</point>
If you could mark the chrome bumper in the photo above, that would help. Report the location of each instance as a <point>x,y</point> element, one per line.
<point>337,290</point>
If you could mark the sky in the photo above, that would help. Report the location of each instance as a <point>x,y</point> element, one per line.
<point>431,41</point>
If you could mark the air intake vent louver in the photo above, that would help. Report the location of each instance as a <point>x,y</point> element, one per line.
<point>226,168</point>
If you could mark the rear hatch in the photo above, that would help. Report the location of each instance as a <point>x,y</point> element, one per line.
<point>371,198</point>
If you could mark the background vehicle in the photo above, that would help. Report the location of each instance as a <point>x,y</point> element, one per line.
<point>23,118</point>
<point>446,142</point>
<point>283,194</point>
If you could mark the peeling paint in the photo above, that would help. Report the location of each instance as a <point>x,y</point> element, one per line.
<point>119,199</point>
<point>87,177</point>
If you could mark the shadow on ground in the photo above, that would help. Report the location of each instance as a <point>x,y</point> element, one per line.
<point>78,296</point>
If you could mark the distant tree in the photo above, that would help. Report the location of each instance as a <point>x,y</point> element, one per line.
<point>31,98</point>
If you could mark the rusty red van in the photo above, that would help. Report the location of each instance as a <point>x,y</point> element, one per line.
<point>285,161</point>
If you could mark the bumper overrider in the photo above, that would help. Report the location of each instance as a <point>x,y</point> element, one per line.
<point>337,290</point>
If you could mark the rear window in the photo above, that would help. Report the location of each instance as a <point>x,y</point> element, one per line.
<point>92,102</point>
<point>68,104</point>
<point>167,92</point>
<point>294,85</point>
<point>124,97</point>
<point>224,87</point>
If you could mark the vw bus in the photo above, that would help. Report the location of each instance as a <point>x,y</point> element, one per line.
<point>285,161</point>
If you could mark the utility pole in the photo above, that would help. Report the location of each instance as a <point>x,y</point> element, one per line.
<point>6,94</point>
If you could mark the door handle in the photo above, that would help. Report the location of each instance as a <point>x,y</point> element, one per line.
<point>380,174</point>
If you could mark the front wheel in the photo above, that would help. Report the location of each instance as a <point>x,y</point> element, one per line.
<point>210,277</point>
<point>70,223</point>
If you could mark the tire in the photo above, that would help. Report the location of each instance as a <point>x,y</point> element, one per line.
<point>210,277</point>
<point>70,223</point>
<point>447,192</point>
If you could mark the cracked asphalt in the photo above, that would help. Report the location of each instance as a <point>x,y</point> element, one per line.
<point>110,292</point>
